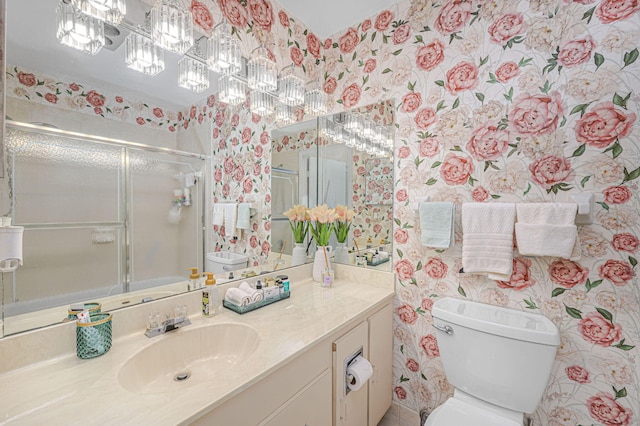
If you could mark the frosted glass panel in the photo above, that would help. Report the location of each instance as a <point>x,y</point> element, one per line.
<point>61,180</point>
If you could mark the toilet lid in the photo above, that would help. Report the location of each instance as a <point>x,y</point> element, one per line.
<point>458,413</point>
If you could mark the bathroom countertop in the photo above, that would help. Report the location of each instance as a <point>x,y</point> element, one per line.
<point>68,389</point>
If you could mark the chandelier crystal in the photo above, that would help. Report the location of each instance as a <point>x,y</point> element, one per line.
<point>171,26</point>
<point>223,50</point>
<point>232,90</point>
<point>111,11</point>
<point>290,87</point>
<point>77,30</point>
<point>262,72</point>
<point>315,100</point>
<point>262,103</point>
<point>193,74</point>
<point>142,55</point>
<point>285,114</point>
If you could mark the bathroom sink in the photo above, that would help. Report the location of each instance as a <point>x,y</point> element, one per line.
<point>188,357</point>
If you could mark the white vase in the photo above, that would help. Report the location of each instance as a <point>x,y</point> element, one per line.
<point>298,255</point>
<point>341,254</point>
<point>320,263</point>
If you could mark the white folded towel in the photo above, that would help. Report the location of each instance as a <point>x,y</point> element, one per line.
<point>256,295</point>
<point>546,229</point>
<point>237,297</point>
<point>230,218</point>
<point>487,239</point>
<point>436,222</point>
<point>244,216</point>
<point>218,214</point>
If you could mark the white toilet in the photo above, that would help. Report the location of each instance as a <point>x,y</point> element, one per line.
<point>498,360</point>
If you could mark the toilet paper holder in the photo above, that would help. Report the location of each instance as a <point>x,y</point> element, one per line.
<point>347,362</point>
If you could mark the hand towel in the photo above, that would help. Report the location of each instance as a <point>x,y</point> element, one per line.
<point>487,240</point>
<point>546,229</point>
<point>218,214</point>
<point>436,222</point>
<point>244,216</point>
<point>237,297</point>
<point>230,218</point>
<point>256,296</point>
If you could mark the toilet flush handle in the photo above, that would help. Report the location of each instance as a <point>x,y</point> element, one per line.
<point>446,329</point>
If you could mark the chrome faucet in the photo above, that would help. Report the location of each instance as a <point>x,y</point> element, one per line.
<point>156,328</point>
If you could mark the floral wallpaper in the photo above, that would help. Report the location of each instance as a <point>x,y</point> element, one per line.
<point>74,96</point>
<point>502,101</point>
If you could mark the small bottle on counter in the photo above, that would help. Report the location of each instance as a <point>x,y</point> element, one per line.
<point>284,279</point>
<point>210,297</point>
<point>194,279</point>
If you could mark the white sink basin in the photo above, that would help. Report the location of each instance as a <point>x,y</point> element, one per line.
<point>187,357</point>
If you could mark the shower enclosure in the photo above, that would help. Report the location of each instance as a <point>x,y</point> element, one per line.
<point>101,217</point>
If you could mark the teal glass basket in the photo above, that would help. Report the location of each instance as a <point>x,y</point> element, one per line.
<point>93,338</point>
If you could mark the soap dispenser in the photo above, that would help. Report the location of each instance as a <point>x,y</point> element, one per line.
<point>210,296</point>
<point>194,280</point>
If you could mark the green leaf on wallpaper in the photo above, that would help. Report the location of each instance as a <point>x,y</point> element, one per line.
<point>419,39</point>
<point>496,196</point>
<point>439,83</point>
<point>509,96</point>
<point>598,59</point>
<point>480,96</point>
<point>530,304</point>
<point>634,174</point>
<point>590,285</point>
<point>603,205</point>
<point>365,79</point>
<point>456,104</point>
<point>400,255</point>
<point>563,121</point>
<point>373,36</point>
<point>558,291</point>
<point>630,57</point>
<point>524,62</point>
<point>633,261</point>
<point>606,314</point>
<point>362,37</point>
<point>456,148</point>
<point>588,14</point>
<point>401,348</point>
<point>419,266</point>
<point>411,86</point>
<point>436,164</point>
<point>417,161</point>
<point>527,190</point>
<point>472,181</point>
<point>431,181</point>
<point>578,152</point>
<point>616,149</point>
<point>622,346</point>
<point>562,186</point>
<point>397,221</point>
<point>581,108</point>
<point>573,312</point>
<point>420,311</point>
<point>461,291</point>
<point>620,393</point>
<point>619,100</point>
<point>334,45</point>
<point>492,78</point>
<point>454,36</point>
<point>484,60</point>
<point>424,377</point>
<point>585,180</point>
<point>397,52</point>
<point>385,38</point>
<point>340,75</point>
<point>386,71</point>
<point>440,105</point>
<point>354,56</point>
<point>413,282</point>
<point>403,379</point>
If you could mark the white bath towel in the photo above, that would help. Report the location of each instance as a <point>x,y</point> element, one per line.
<point>237,297</point>
<point>244,216</point>
<point>546,229</point>
<point>436,222</point>
<point>487,239</point>
<point>230,218</point>
<point>256,295</point>
<point>218,214</point>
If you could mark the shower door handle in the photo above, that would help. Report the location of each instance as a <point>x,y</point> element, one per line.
<point>446,329</point>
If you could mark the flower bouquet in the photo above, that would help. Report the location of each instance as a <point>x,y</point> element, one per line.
<point>343,222</point>
<point>298,217</point>
<point>321,226</point>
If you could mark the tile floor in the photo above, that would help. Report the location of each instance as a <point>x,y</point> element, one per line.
<point>400,416</point>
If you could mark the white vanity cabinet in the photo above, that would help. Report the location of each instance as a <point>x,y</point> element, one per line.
<point>374,339</point>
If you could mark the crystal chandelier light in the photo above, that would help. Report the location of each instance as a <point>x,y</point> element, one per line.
<point>290,87</point>
<point>315,100</point>
<point>285,114</point>
<point>262,103</point>
<point>223,50</point>
<point>171,26</point>
<point>111,11</point>
<point>232,91</point>
<point>78,30</point>
<point>142,55</point>
<point>262,72</point>
<point>193,74</point>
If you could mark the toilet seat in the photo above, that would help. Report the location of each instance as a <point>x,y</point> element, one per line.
<point>455,412</point>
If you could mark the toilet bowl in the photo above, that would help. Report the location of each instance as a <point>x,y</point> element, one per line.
<point>499,361</point>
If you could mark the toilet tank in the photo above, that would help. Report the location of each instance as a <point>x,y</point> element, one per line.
<point>220,262</point>
<point>499,355</point>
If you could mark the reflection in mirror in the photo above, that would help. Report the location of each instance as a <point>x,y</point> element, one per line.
<point>356,169</point>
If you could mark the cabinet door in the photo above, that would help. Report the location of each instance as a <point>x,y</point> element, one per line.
<point>381,358</point>
<point>310,407</point>
<point>350,408</point>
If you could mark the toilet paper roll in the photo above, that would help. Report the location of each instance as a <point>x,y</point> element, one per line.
<point>358,372</point>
